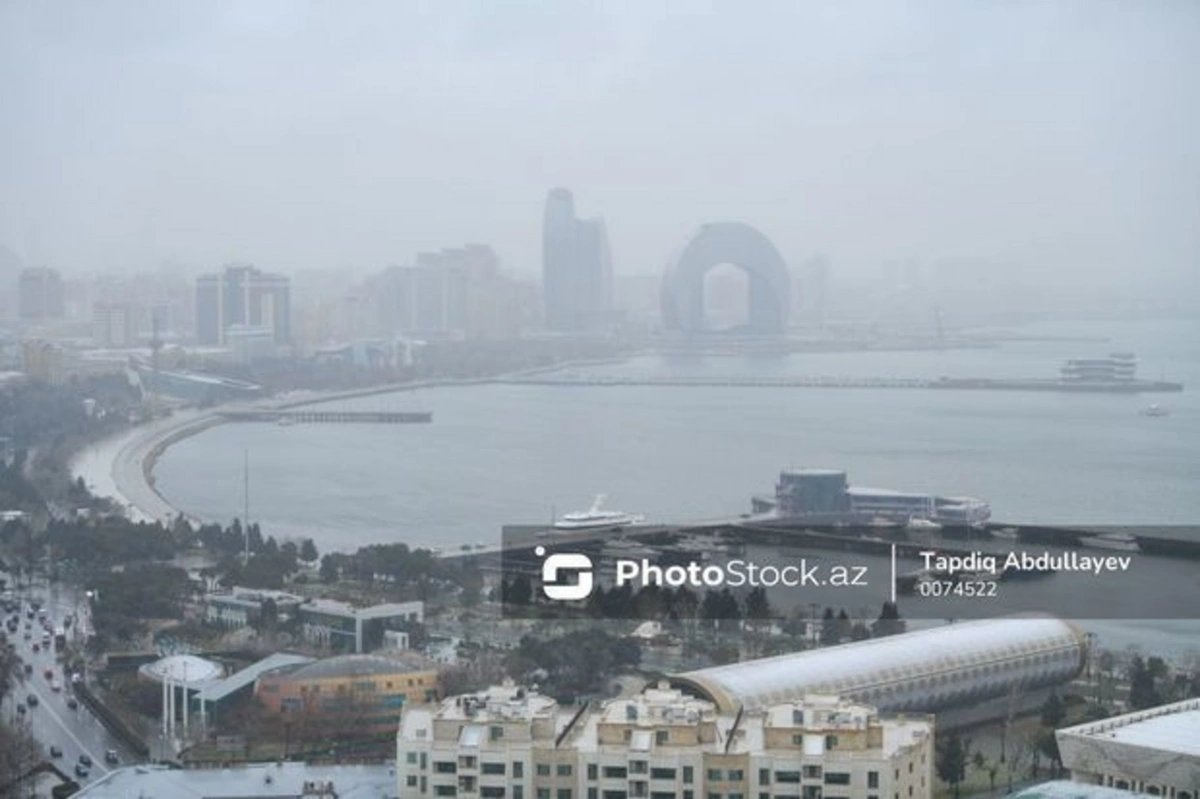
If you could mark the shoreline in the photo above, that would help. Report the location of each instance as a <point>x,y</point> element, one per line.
<point>121,467</point>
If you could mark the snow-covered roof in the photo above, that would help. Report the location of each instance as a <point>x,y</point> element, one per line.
<point>853,668</point>
<point>183,669</point>
<point>1171,728</point>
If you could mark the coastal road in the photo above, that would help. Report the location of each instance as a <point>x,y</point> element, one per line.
<point>51,722</point>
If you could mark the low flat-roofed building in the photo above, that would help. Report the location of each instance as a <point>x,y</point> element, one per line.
<point>343,627</point>
<point>258,781</point>
<point>509,742</point>
<point>1155,751</point>
<point>239,607</point>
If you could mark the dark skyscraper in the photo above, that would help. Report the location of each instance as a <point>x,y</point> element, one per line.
<point>576,268</point>
<point>243,296</point>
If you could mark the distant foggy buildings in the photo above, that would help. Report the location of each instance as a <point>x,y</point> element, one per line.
<point>577,276</point>
<point>456,293</point>
<point>243,304</point>
<point>114,325</point>
<point>41,294</point>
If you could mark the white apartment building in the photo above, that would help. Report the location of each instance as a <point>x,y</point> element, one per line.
<point>514,743</point>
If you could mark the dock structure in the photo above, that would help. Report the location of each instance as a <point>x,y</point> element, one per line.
<point>943,383</point>
<point>300,416</point>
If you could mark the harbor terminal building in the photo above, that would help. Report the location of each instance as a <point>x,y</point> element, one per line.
<point>927,671</point>
<point>826,496</point>
<point>513,742</point>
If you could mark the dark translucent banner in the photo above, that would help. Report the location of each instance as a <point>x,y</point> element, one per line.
<point>785,572</point>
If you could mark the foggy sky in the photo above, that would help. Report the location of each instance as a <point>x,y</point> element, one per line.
<point>1054,138</point>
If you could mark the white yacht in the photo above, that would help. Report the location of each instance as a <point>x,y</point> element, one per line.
<point>1122,542</point>
<point>1007,534</point>
<point>919,524</point>
<point>1154,409</point>
<point>595,517</point>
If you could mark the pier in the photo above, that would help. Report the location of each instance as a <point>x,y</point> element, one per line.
<point>327,417</point>
<point>943,383</point>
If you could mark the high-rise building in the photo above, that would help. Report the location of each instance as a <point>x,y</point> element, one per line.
<point>114,324</point>
<point>246,297</point>
<point>455,293</point>
<point>41,294</point>
<point>577,278</point>
<point>509,742</point>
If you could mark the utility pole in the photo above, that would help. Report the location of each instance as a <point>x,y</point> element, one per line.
<point>246,498</point>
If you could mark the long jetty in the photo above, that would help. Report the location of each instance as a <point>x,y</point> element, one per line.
<point>944,383</point>
<point>315,416</point>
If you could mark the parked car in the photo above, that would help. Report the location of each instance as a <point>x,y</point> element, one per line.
<point>73,704</point>
<point>32,700</point>
<point>111,758</point>
<point>55,751</point>
<point>84,760</point>
<point>81,771</point>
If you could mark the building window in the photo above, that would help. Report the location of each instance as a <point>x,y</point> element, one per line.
<point>445,790</point>
<point>797,740</point>
<point>444,767</point>
<point>714,775</point>
<point>638,766</point>
<point>662,773</point>
<point>563,793</point>
<point>872,779</point>
<point>496,732</point>
<point>518,769</point>
<point>734,775</point>
<point>411,781</point>
<point>764,776</point>
<point>789,777</point>
<point>837,778</point>
<point>591,771</point>
<point>615,773</point>
<point>543,769</point>
<point>563,770</point>
<point>661,737</point>
<point>518,792</point>
<point>687,775</point>
<point>798,718</point>
<point>831,742</point>
<point>593,794</point>
<point>543,793</point>
<point>491,792</point>
<point>493,768</point>
<point>812,772</point>
<point>410,757</point>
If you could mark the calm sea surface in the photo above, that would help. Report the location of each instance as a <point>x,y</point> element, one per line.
<point>515,454</point>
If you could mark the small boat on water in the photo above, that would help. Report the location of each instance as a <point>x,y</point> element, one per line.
<point>286,421</point>
<point>1154,409</point>
<point>918,524</point>
<point>1122,542</point>
<point>1007,534</point>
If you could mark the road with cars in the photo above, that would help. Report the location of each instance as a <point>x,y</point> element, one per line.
<point>46,704</point>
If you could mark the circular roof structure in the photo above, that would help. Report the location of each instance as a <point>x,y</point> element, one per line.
<point>184,669</point>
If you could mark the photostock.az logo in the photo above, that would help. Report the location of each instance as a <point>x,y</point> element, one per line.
<point>575,562</point>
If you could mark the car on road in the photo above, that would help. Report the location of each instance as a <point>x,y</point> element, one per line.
<point>21,710</point>
<point>56,751</point>
<point>32,700</point>
<point>81,771</point>
<point>29,668</point>
<point>72,704</point>
<point>111,758</point>
<point>48,674</point>
<point>36,648</point>
<point>84,760</point>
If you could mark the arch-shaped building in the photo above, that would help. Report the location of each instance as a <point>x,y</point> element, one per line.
<point>727,243</point>
<point>924,671</point>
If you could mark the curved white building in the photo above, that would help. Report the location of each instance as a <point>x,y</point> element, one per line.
<point>924,671</point>
<point>182,670</point>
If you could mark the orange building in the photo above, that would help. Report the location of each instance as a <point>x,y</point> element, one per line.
<point>363,694</point>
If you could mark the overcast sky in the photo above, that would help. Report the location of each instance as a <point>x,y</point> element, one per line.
<point>1052,137</point>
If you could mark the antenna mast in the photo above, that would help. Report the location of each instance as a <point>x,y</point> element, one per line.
<point>246,498</point>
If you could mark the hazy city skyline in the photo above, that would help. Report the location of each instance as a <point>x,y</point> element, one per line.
<point>1055,140</point>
